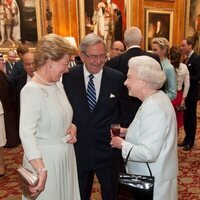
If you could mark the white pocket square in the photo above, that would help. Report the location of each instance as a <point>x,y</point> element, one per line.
<point>112,96</point>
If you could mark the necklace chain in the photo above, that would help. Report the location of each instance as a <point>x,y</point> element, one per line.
<point>42,80</point>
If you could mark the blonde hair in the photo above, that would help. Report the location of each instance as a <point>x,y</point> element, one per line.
<point>54,47</point>
<point>163,43</point>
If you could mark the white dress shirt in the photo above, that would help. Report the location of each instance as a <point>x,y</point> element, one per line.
<point>96,80</point>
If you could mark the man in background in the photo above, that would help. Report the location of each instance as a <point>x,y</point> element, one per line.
<point>190,117</point>
<point>20,80</point>
<point>117,49</point>
<point>19,68</point>
<point>132,40</point>
<point>10,63</point>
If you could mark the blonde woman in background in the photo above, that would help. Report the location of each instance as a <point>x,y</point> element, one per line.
<point>160,46</point>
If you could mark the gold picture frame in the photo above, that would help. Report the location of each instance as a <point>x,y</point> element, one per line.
<point>154,19</point>
<point>192,25</point>
<point>85,22</point>
<point>35,17</point>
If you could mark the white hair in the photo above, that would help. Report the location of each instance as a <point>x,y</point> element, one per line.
<point>132,36</point>
<point>149,70</point>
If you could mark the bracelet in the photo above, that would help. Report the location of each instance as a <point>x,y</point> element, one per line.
<point>41,170</point>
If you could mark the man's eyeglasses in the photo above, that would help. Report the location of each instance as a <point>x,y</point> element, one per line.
<point>116,49</point>
<point>95,57</point>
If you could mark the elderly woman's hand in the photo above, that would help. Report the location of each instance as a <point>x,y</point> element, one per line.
<point>72,132</point>
<point>116,142</point>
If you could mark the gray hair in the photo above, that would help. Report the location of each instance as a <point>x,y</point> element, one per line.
<point>88,40</point>
<point>149,70</point>
<point>132,36</point>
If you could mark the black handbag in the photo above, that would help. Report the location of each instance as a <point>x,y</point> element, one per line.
<point>135,187</point>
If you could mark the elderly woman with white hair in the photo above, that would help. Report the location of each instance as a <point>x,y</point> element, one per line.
<point>152,134</point>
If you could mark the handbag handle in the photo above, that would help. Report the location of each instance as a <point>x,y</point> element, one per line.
<point>126,160</point>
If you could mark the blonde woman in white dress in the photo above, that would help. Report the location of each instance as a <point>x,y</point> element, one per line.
<point>46,128</point>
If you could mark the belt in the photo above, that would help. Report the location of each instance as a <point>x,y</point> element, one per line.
<point>50,141</point>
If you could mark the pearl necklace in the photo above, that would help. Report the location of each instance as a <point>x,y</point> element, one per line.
<point>42,80</point>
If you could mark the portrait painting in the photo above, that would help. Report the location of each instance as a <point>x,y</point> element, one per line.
<point>19,23</point>
<point>159,23</point>
<point>106,18</point>
<point>192,17</point>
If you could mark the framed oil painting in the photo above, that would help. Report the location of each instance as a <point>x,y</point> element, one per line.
<point>106,18</point>
<point>159,23</point>
<point>192,25</point>
<point>20,22</point>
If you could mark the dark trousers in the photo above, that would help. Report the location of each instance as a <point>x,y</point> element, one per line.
<point>117,166</point>
<point>190,121</point>
<point>104,176</point>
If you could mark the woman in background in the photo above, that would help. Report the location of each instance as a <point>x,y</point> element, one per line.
<point>160,46</point>
<point>46,128</point>
<point>152,134</point>
<point>183,83</point>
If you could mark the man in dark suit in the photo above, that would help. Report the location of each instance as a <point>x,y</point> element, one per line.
<point>19,68</point>
<point>20,80</point>
<point>190,117</point>
<point>93,150</point>
<point>10,63</point>
<point>132,40</point>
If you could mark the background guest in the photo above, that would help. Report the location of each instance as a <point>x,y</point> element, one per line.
<point>116,49</point>
<point>152,134</point>
<point>18,69</point>
<point>160,46</point>
<point>18,81</point>
<point>190,117</point>
<point>183,83</point>
<point>96,106</point>
<point>10,63</point>
<point>132,40</point>
<point>46,130</point>
<point>10,109</point>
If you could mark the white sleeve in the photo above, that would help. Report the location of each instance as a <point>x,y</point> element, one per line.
<point>152,130</point>
<point>29,118</point>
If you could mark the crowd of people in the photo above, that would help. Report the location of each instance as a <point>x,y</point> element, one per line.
<point>63,114</point>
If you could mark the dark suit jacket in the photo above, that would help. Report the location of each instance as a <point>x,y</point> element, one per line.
<point>130,105</point>
<point>18,69</point>
<point>8,67</point>
<point>17,83</point>
<point>93,149</point>
<point>194,70</point>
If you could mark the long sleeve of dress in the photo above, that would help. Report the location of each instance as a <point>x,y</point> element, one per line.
<point>29,117</point>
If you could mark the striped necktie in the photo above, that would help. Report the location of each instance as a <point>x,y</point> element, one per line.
<point>91,93</point>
